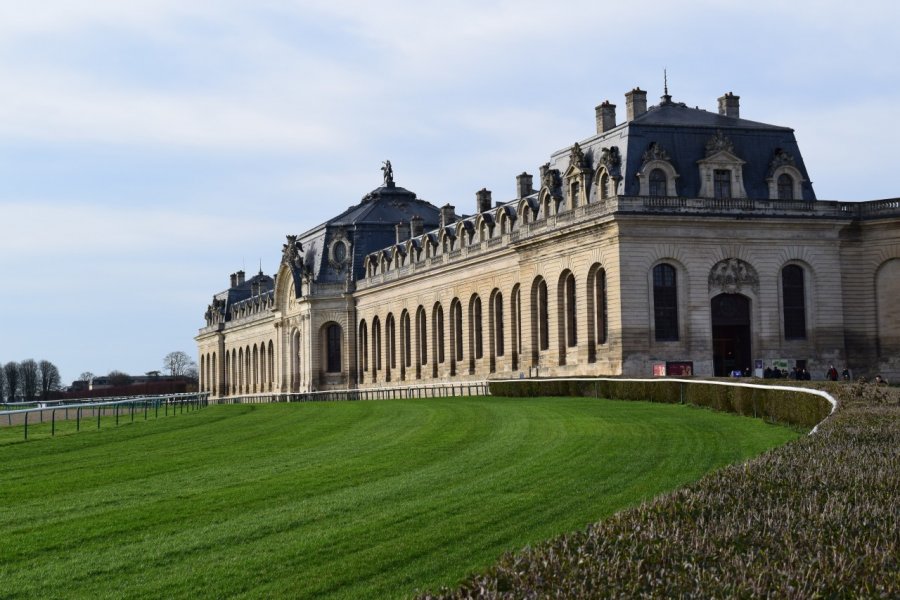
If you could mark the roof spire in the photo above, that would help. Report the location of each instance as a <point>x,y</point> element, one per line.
<point>260,265</point>
<point>666,98</point>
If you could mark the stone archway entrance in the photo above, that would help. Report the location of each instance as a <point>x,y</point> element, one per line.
<point>731,333</point>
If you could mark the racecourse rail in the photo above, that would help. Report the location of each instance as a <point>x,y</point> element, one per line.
<point>84,411</point>
<point>172,403</point>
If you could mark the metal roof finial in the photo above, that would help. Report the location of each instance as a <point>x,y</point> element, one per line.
<point>665,82</point>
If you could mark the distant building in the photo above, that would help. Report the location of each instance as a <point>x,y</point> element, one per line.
<point>676,241</point>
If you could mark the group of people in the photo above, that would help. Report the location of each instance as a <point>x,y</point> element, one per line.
<point>801,374</point>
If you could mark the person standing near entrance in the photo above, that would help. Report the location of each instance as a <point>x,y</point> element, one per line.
<point>832,374</point>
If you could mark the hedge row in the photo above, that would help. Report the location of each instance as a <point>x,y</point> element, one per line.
<point>816,518</point>
<point>772,403</point>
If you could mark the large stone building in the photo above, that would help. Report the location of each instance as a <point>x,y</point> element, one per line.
<point>678,240</point>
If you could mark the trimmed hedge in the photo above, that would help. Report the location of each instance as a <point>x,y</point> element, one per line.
<point>772,404</point>
<point>816,518</point>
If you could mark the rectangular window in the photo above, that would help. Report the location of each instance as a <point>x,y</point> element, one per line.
<point>722,183</point>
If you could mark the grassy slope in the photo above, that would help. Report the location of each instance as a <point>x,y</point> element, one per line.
<point>336,500</point>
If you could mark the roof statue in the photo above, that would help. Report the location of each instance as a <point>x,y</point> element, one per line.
<point>388,174</point>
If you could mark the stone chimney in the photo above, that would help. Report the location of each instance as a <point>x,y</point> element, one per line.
<point>606,116</point>
<point>416,226</point>
<point>240,278</point>
<point>403,232</point>
<point>635,103</point>
<point>234,280</point>
<point>448,215</point>
<point>483,200</point>
<point>524,185</point>
<point>730,105</point>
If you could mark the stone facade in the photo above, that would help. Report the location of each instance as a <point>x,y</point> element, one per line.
<point>679,240</point>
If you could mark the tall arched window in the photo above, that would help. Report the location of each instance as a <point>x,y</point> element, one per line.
<point>421,337</point>
<point>516,306</point>
<point>497,323</point>
<point>437,333</point>
<point>271,365</point>
<point>405,339</point>
<point>539,317</point>
<point>596,305</point>
<point>457,325</point>
<point>665,303</point>
<point>785,187</point>
<point>333,348</point>
<point>793,297</point>
<point>376,346</point>
<point>570,321</point>
<point>390,338</point>
<point>658,183</point>
<point>475,327</point>
<point>363,349</point>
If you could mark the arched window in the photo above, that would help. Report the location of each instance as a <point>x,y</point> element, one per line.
<point>457,326</point>
<point>539,318</point>
<point>376,346</point>
<point>596,304</point>
<point>785,187</point>
<point>405,339</point>
<point>421,337</point>
<point>271,365</point>
<point>363,349</point>
<point>794,302</point>
<point>575,193</point>
<point>475,328</point>
<point>604,185</point>
<point>516,306</point>
<point>437,332</point>
<point>333,348</point>
<point>665,303</point>
<point>497,323</point>
<point>658,183</point>
<point>571,326</point>
<point>391,342</point>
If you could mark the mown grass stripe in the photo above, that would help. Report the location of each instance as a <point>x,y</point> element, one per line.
<point>338,500</point>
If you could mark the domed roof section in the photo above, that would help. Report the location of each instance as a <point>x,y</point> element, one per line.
<point>387,204</point>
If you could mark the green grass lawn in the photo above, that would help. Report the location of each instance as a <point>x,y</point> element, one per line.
<point>336,500</point>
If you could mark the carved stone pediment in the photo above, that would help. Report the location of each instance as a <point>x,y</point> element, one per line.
<point>719,143</point>
<point>781,159</point>
<point>733,274</point>
<point>655,152</point>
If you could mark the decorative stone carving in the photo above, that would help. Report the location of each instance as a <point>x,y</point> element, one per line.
<point>292,252</point>
<point>719,143</point>
<point>733,274</point>
<point>655,152</point>
<point>551,179</point>
<point>780,159</point>
<point>612,160</point>
<point>576,157</point>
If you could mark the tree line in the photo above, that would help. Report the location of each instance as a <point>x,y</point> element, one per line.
<point>28,380</point>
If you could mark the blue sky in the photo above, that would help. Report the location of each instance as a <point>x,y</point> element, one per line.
<point>149,148</point>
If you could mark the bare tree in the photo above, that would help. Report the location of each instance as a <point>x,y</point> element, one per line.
<point>87,377</point>
<point>2,385</point>
<point>50,381</point>
<point>29,371</point>
<point>119,378</point>
<point>11,369</point>
<point>178,363</point>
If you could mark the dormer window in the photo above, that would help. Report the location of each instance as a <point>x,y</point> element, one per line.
<point>657,183</point>
<point>722,184</point>
<point>785,187</point>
